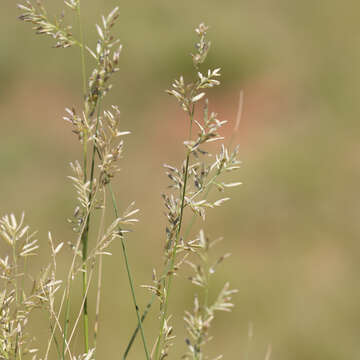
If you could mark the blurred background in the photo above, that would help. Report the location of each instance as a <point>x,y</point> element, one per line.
<point>292,227</point>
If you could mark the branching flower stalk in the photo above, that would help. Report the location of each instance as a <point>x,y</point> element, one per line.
<point>191,181</point>
<point>187,101</point>
<point>235,165</point>
<point>165,330</point>
<point>193,218</point>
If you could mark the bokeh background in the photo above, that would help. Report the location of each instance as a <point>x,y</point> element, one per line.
<point>292,227</point>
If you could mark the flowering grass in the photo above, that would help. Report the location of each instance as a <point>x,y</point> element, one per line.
<point>98,129</point>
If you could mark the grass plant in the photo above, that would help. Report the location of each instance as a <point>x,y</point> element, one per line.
<point>98,130</point>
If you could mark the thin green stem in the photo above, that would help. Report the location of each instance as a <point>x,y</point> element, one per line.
<point>131,282</point>
<point>52,328</point>
<point>94,146</point>
<point>143,316</point>
<point>140,320</point>
<point>85,310</point>
<point>82,50</point>
<point>83,71</point>
<point>84,241</point>
<point>84,238</point>
<point>85,153</point>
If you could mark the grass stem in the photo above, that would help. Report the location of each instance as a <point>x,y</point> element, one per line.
<point>85,234</point>
<point>66,324</point>
<point>131,282</point>
<point>143,317</point>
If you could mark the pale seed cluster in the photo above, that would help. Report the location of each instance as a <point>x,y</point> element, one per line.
<point>17,302</point>
<point>56,29</point>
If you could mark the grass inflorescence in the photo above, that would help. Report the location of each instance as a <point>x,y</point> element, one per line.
<point>98,130</point>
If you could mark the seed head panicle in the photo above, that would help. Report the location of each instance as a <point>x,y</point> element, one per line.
<point>56,29</point>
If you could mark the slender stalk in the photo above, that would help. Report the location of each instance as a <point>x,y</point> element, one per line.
<point>65,299</point>
<point>100,267</point>
<point>84,239</point>
<point>16,298</point>
<point>66,294</point>
<point>82,50</point>
<point>167,286</point>
<point>133,337</point>
<point>83,71</point>
<point>81,307</point>
<point>98,297</point>
<point>52,328</point>
<point>15,277</point>
<point>131,282</point>
<point>85,309</point>
<point>66,325</point>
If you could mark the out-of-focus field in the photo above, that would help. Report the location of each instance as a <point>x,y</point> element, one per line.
<point>293,226</point>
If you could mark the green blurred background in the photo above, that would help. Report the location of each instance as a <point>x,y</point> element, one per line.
<point>292,227</point>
